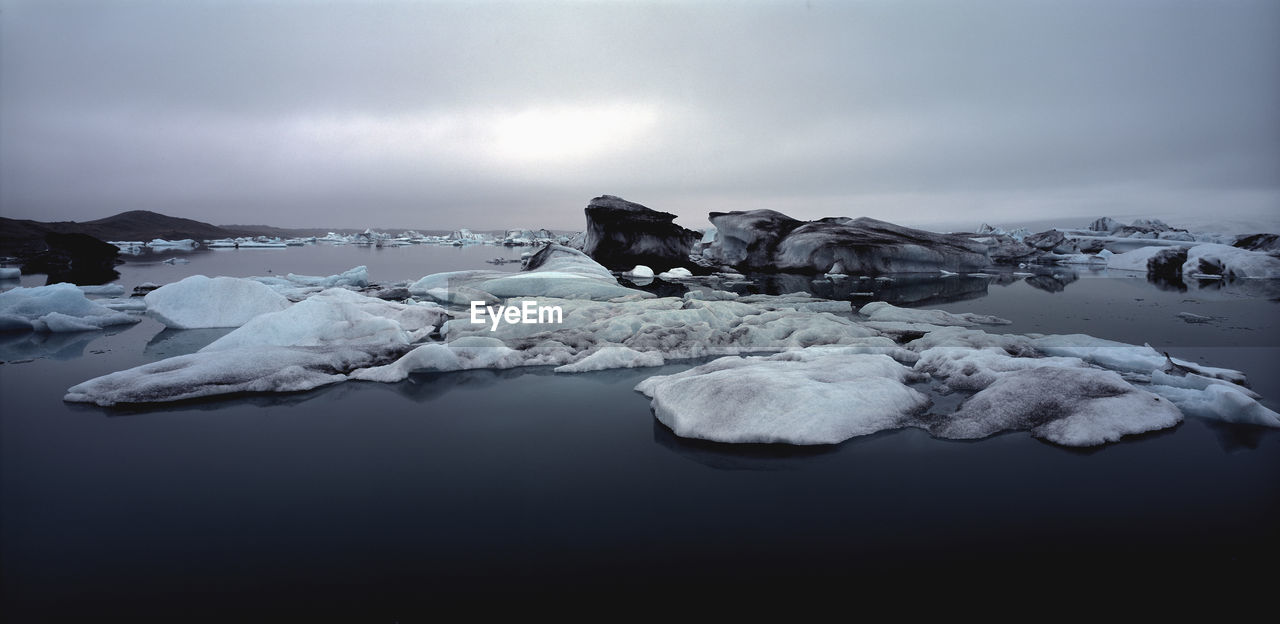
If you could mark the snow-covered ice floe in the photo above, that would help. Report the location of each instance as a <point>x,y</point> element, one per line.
<point>791,368</point>
<point>809,396</point>
<point>56,308</point>
<point>303,346</point>
<point>199,301</point>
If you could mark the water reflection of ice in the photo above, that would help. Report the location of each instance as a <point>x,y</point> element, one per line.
<point>172,342</point>
<point>18,346</point>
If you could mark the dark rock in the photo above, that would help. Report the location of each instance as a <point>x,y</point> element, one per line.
<point>621,234</point>
<point>76,258</point>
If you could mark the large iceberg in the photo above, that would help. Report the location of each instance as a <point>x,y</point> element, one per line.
<point>1230,262</point>
<point>1154,260</point>
<point>199,302</point>
<point>306,345</point>
<point>771,241</point>
<point>56,308</point>
<point>621,234</point>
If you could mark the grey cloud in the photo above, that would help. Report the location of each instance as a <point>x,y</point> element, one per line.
<point>301,114</point>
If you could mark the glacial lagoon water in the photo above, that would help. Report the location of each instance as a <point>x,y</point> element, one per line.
<point>389,499</point>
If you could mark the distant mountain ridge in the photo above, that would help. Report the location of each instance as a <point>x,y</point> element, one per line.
<point>22,236</point>
<point>141,225</point>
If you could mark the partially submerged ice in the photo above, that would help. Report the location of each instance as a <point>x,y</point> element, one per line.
<point>56,308</point>
<point>199,302</point>
<point>791,368</point>
<point>846,393</point>
<point>554,271</point>
<point>304,346</point>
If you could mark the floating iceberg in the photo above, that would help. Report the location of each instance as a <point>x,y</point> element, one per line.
<point>161,243</point>
<point>56,308</point>
<point>621,233</point>
<point>814,396</point>
<point>10,273</point>
<point>199,301</point>
<point>554,271</point>
<point>203,374</point>
<point>771,241</point>
<point>306,345</point>
<point>881,311</point>
<point>677,273</point>
<point>1067,406</point>
<point>640,271</point>
<point>338,317</point>
<point>1230,262</point>
<point>613,357</point>
<point>1151,259</point>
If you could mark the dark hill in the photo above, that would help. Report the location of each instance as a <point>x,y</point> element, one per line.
<point>24,236</point>
<point>143,225</point>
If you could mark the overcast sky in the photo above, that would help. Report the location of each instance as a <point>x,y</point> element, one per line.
<point>444,114</point>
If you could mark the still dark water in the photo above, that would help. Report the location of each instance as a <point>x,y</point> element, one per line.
<point>384,501</point>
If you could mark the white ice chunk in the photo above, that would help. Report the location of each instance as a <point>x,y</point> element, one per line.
<point>306,345</point>
<point>709,294</point>
<point>10,273</point>
<point>161,243</point>
<point>460,296</point>
<point>199,301</point>
<point>640,271</point>
<point>1219,401</point>
<point>336,316</point>
<point>613,357</point>
<point>124,304</point>
<point>1135,260</point>
<point>462,354</point>
<point>1231,261</point>
<point>881,311</point>
<point>249,369</point>
<point>676,273</point>
<point>811,396</point>
<point>965,368</point>
<point>1123,357</point>
<point>356,277</point>
<point>55,308</point>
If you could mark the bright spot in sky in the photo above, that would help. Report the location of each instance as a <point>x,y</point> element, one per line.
<point>566,134</point>
<point>533,139</point>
